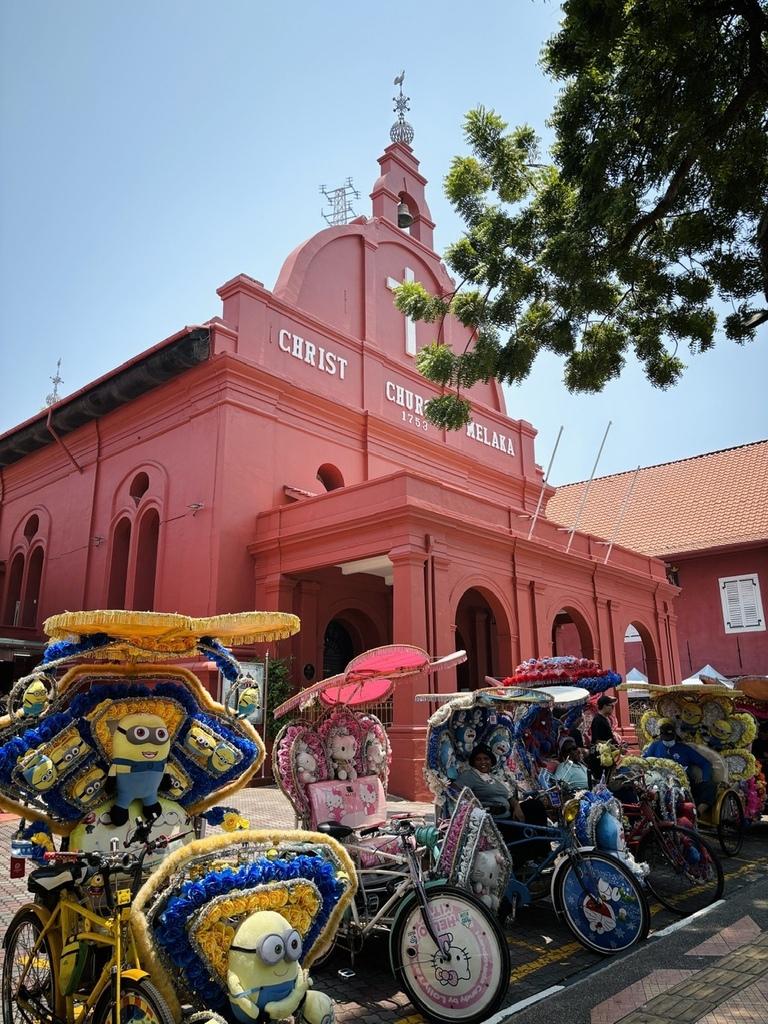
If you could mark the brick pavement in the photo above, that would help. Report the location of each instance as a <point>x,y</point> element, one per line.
<point>731,987</point>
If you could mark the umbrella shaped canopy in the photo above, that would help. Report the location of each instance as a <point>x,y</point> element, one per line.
<point>370,677</point>
<point>158,636</point>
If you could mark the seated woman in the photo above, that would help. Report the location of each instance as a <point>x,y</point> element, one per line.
<point>501,800</point>
<point>495,795</point>
<point>571,771</point>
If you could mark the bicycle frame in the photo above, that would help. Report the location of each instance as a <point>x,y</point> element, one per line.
<point>404,869</point>
<point>647,821</point>
<point>71,920</point>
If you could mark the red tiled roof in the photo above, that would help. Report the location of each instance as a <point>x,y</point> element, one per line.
<point>709,501</point>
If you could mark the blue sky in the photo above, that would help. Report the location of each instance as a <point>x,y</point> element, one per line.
<point>153,150</point>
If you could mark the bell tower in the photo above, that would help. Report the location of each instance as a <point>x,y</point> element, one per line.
<point>398,196</point>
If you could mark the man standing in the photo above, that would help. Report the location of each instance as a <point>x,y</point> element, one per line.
<point>668,745</point>
<point>601,731</point>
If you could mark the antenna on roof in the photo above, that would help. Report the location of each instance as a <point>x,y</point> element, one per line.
<point>53,398</point>
<point>341,204</point>
<point>586,490</point>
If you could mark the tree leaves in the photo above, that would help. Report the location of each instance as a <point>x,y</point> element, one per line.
<point>649,210</point>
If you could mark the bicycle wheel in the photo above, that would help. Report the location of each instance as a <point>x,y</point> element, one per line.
<point>33,999</point>
<point>602,902</point>
<point>140,1003</point>
<point>473,980</point>
<point>685,872</point>
<point>730,824</point>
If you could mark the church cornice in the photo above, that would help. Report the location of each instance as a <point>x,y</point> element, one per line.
<point>134,379</point>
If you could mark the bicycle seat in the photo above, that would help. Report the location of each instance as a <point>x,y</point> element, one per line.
<point>49,878</point>
<point>335,829</point>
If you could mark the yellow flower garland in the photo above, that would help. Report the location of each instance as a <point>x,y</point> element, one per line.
<point>298,903</point>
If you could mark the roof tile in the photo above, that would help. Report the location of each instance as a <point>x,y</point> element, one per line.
<point>710,501</point>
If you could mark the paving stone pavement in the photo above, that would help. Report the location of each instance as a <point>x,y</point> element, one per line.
<point>722,979</point>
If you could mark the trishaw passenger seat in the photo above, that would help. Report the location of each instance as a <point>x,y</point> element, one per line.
<point>719,767</point>
<point>335,829</point>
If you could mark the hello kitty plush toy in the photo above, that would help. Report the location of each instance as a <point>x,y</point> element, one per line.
<point>343,747</point>
<point>306,765</point>
<point>375,758</point>
<point>485,877</point>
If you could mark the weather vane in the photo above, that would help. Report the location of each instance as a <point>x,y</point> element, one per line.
<point>53,398</point>
<point>401,131</point>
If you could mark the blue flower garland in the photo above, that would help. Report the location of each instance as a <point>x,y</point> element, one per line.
<point>68,649</point>
<point>77,713</point>
<point>172,933</point>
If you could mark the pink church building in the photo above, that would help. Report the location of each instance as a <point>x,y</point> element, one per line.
<point>277,457</point>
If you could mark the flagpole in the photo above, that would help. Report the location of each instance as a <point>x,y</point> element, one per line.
<point>544,484</point>
<point>586,489</point>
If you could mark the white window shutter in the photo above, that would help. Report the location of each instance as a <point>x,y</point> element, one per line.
<point>742,607</point>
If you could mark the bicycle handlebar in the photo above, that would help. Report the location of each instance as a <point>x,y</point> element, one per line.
<point>113,859</point>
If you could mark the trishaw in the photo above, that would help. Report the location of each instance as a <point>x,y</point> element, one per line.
<point>446,948</point>
<point>110,753</point>
<point>705,716</point>
<point>599,895</point>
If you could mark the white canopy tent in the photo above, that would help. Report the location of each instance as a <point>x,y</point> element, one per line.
<point>710,673</point>
<point>638,691</point>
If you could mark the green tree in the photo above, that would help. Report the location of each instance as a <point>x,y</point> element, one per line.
<point>652,207</point>
<point>279,689</point>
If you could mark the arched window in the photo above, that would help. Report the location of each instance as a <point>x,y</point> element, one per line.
<point>330,477</point>
<point>32,588</point>
<point>22,589</point>
<point>31,526</point>
<point>118,570</point>
<point>12,614</point>
<point>146,562</point>
<point>139,487</point>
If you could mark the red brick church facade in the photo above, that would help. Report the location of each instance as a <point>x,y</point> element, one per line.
<point>277,457</point>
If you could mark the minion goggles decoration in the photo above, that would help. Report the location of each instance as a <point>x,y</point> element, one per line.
<point>141,744</point>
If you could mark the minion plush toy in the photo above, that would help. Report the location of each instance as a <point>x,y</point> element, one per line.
<point>264,979</point>
<point>140,747</point>
<point>719,734</point>
<point>690,720</point>
<point>248,702</point>
<point>35,698</point>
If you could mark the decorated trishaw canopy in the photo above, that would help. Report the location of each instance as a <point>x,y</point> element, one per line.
<point>370,677</point>
<point>158,636</point>
<point>564,670</point>
<point>520,696</point>
<point>688,689</point>
<point>62,739</point>
<point>754,687</point>
<point>566,696</point>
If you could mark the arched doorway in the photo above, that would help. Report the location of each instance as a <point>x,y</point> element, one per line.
<point>477,632</point>
<point>338,648</point>
<point>571,635</point>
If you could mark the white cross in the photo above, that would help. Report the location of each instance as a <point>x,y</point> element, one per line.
<point>410,325</point>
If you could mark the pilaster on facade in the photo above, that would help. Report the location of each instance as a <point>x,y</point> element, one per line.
<point>275,591</point>
<point>440,620</point>
<point>409,622</point>
<point>309,644</point>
